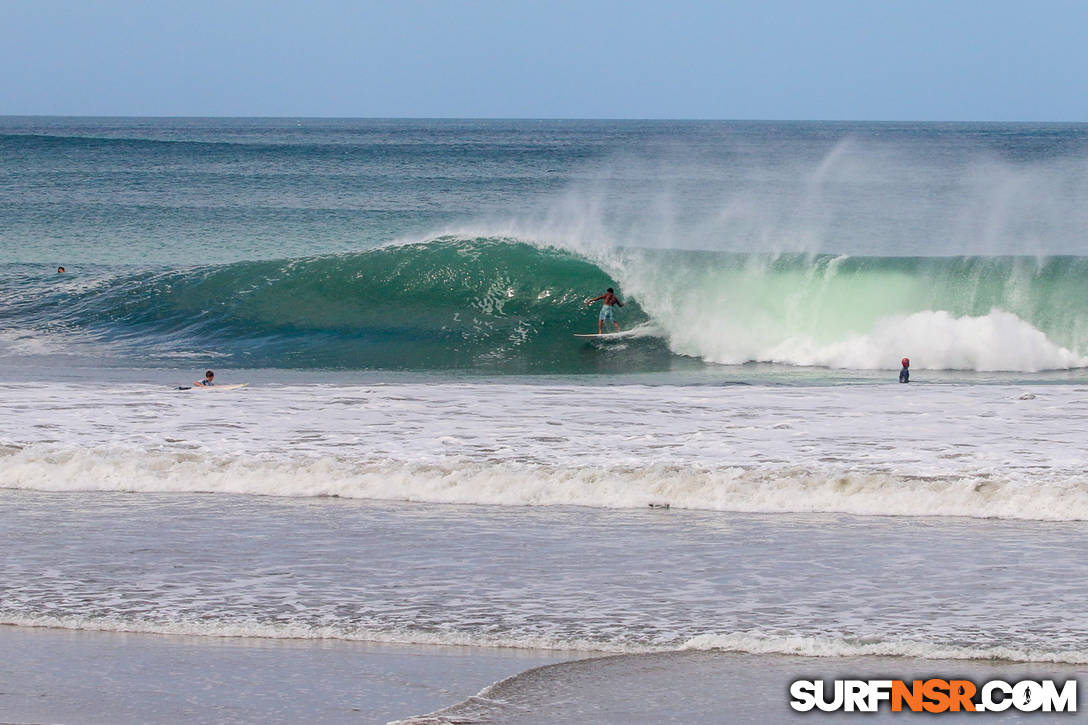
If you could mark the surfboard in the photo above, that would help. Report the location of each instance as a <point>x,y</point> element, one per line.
<point>213,387</point>
<point>643,330</point>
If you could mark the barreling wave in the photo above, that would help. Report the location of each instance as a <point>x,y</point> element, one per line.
<point>507,305</point>
<point>449,303</point>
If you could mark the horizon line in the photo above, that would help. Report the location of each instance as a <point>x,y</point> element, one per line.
<point>532,118</point>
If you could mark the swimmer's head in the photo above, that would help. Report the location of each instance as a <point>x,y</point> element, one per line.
<point>209,375</point>
<point>610,289</point>
<point>60,270</point>
<point>906,362</point>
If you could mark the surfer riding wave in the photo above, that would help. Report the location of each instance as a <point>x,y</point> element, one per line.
<point>610,301</point>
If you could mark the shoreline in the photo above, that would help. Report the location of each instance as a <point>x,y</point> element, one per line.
<point>120,678</point>
<point>60,676</point>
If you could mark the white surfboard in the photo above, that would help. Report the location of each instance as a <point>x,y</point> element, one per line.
<point>646,329</point>
<point>621,333</point>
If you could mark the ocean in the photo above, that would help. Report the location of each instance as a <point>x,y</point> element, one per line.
<point>429,473</point>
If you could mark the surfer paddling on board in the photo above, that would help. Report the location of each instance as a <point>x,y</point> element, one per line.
<point>209,382</point>
<point>610,301</point>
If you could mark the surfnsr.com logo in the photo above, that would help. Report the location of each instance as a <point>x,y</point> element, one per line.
<point>934,695</point>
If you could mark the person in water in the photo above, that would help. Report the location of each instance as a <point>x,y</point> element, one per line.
<point>610,301</point>
<point>60,270</point>
<point>209,379</point>
<point>904,374</point>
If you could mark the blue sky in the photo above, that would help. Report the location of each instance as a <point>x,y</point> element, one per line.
<point>758,59</point>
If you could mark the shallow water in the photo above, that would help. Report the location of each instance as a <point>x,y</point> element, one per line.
<point>708,687</point>
<point>554,577</point>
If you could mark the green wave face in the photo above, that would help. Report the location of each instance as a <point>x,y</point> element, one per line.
<point>448,303</point>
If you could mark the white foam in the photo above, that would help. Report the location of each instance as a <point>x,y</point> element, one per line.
<point>733,316</point>
<point>750,642</point>
<point>936,340</point>
<point>981,451</point>
<point>785,489</point>
<point>287,630</point>
<point>755,642</point>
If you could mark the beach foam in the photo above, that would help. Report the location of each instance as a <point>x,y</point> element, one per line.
<point>774,490</point>
<point>954,450</point>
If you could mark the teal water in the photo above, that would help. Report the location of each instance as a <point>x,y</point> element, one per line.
<point>471,245</point>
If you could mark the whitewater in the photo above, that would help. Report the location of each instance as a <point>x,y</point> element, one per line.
<point>943,450</point>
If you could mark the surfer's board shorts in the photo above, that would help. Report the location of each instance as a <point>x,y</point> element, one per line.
<point>606,314</point>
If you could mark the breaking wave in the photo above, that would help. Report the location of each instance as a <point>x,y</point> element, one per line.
<point>1053,497</point>
<point>508,305</point>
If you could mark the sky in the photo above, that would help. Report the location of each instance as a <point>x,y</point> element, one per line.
<point>925,60</point>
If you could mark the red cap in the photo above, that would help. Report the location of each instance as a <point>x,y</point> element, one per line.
<point>906,362</point>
